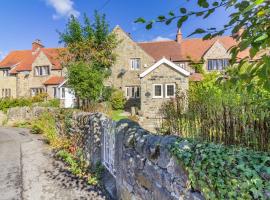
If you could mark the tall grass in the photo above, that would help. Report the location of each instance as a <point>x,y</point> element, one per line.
<point>221,113</point>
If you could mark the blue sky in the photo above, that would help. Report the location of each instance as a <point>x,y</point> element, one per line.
<point>23,21</point>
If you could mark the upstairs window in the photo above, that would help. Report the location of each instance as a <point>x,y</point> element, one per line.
<point>158,93</point>
<point>5,72</point>
<point>170,90</point>
<point>217,64</point>
<point>42,70</point>
<point>133,92</point>
<point>6,93</point>
<point>135,63</point>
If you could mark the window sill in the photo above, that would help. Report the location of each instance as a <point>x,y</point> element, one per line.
<point>157,97</point>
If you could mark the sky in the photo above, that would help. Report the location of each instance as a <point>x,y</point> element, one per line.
<point>23,21</point>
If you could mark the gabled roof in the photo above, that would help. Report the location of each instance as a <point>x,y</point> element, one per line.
<point>22,60</point>
<point>169,49</point>
<point>54,80</point>
<point>167,62</point>
<point>189,49</point>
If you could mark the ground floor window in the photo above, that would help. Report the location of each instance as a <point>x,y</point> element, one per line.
<point>170,90</point>
<point>133,92</point>
<point>6,92</point>
<point>164,90</point>
<point>55,92</point>
<point>63,93</point>
<point>36,91</point>
<point>158,90</point>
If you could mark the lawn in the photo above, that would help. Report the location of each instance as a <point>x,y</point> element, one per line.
<point>118,115</point>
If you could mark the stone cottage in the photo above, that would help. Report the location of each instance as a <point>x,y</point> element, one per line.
<point>149,73</point>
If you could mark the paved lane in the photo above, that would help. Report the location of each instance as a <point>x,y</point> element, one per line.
<point>29,172</point>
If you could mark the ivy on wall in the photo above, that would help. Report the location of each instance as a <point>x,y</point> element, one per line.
<point>225,172</point>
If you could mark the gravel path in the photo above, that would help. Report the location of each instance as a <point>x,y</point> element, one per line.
<point>28,171</point>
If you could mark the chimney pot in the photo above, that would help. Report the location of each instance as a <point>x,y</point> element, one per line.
<point>179,36</point>
<point>37,44</point>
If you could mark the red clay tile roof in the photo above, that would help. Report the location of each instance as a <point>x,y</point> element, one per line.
<point>189,49</point>
<point>54,80</point>
<point>196,77</point>
<point>22,60</point>
<point>169,49</point>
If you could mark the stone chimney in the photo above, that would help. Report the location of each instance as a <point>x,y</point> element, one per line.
<point>37,44</point>
<point>179,36</point>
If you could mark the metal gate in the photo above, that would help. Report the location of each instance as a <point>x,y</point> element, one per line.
<point>109,148</point>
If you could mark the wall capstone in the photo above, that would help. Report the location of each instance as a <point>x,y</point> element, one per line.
<point>144,167</point>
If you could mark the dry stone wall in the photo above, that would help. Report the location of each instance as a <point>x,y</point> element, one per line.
<point>144,167</point>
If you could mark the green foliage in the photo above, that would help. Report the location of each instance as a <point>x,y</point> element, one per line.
<point>117,115</point>
<point>118,100</point>
<point>50,103</point>
<point>224,172</point>
<point>107,93</point>
<point>39,97</point>
<point>5,104</point>
<point>221,111</point>
<point>89,55</point>
<point>86,81</point>
<point>248,23</point>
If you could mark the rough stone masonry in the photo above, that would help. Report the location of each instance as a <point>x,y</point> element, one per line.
<point>144,167</point>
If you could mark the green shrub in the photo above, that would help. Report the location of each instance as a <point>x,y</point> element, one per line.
<point>7,103</point>
<point>107,93</point>
<point>118,100</point>
<point>221,172</point>
<point>39,97</point>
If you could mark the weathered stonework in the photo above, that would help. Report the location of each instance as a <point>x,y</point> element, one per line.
<point>217,51</point>
<point>161,75</point>
<point>22,114</point>
<point>145,169</point>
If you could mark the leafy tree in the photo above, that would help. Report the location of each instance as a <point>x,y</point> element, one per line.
<point>250,16</point>
<point>88,55</point>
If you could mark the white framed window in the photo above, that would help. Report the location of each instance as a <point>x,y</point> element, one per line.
<point>170,90</point>
<point>42,70</point>
<point>36,91</point>
<point>217,64</point>
<point>5,72</point>
<point>63,93</point>
<point>157,91</point>
<point>55,92</point>
<point>135,63</point>
<point>133,92</point>
<point>6,93</point>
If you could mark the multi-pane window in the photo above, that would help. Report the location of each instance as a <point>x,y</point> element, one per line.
<point>63,93</point>
<point>158,93</point>
<point>36,91</point>
<point>133,92</point>
<point>55,92</point>
<point>6,92</point>
<point>135,63</point>
<point>5,72</point>
<point>42,70</point>
<point>170,90</point>
<point>217,64</point>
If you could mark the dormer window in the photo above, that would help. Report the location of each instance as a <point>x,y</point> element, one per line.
<point>42,70</point>
<point>217,64</point>
<point>5,72</point>
<point>135,63</point>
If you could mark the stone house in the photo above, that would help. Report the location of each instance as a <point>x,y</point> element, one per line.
<point>27,73</point>
<point>149,73</point>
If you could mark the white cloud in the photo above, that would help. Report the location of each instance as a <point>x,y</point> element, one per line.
<point>2,55</point>
<point>160,38</point>
<point>63,8</point>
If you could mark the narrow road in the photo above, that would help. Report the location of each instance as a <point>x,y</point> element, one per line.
<point>28,171</point>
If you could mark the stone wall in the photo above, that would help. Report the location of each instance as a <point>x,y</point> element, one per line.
<point>144,167</point>
<point>22,114</point>
<point>162,75</point>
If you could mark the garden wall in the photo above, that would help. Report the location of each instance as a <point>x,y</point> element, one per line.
<point>144,167</point>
